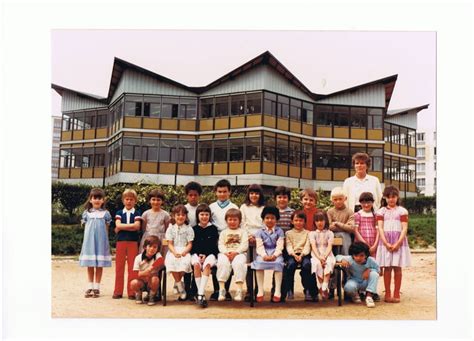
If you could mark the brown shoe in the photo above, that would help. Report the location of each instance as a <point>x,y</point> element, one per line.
<point>89,293</point>
<point>96,293</point>
<point>116,296</point>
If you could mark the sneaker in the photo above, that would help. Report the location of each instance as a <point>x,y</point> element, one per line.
<point>146,296</point>
<point>238,295</point>
<point>89,293</point>
<point>376,297</point>
<point>356,298</point>
<point>369,301</point>
<point>182,296</point>
<point>221,295</point>
<point>228,297</point>
<point>95,293</point>
<point>201,301</point>
<point>290,295</point>
<point>139,298</point>
<point>151,300</point>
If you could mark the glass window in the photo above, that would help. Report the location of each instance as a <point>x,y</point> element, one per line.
<point>421,182</point>
<point>76,157</point>
<point>187,108</point>
<point>167,151</point>
<point>358,118</point>
<point>395,134</point>
<point>186,151</point>
<point>268,148</point>
<point>205,151</point>
<point>307,154</point>
<point>283,107</point>
<point>420,136</point>
<point>131,149</point>
<point>220,151</point>
<point>150,149</point>
<point>254,103</point>
<point>295,153</point>
<point>295,110</point>
<point>386,169</point>
<point>237,105</point>
<point>99,157</point>
<point>375,118</point>
<point>207,106</point>
<point>376,154</point>
<point>387,132</point>
<point>420,151</point>
<point>252,148</point>
<point>102,118</point>
<point>65,159</point>
<point>78,121</point>
<point>323,155</point>
<point>67,122</point>
<point>341,157</point>
<point>236,149</point>
<point>90,120</point>
<point>152,106</point>
<point>133,105</point>
<point>169,107</point>
<point>87,157</point>
<point>282,150</point>
<point>403,136</point>
<point>411,138</point>
<point>395,169</point>
<point>222,106</point>
<point>307,113</point>
<point>420,167</point>
<point>323,114</point>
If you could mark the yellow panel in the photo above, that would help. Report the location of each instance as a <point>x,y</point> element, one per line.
<point>220,168</point>
<point>75,173</point>
<point>151,123</point>
<point>358,133</point>
<point>63,173</point>
<point>282,170</point>
<point>268,133</point>
<point>77,135</point>
<point>89,134</point>
<point>396,183</point>
<point>221,123</point>
<point>131,133</point>
<point>395,148</point>
<point>203,137</point>
<point>342,133</point>
<point>308,129</point>
<point>412,151</point>
<point>404,150</point>
<point>323,131</point>
<point>282,124</point>
<point>378,175</point>
<point>306,173</point>
<point>101,144</point>
<point>133,122</point>
<point>86,173</point>
<point>130,166</point>
<point>236,168</point>
<point>268,168</point>
<point>187,125</point>
<point>150,135</point>
<point>98,172</point>
<point>186,168</point>
<point>205,124</point>
<point>90,144</point>
<point>253,133</point>
<point>186,137</point>
<point>237,135</point>
<point>411,187</point>
<point>149,167</point>
<point>295,127</point>
<point>254,120</point>
<point>168,124</point>
<point>237,122</point>
<point>295,172</point>
<point>340,174</point>
<point>66,135</point>
<point>168,136</point>
<point>269,121</point>
<point>387,147</point>
<point>375,134</point>
<point>252,167</point>
<point>221,136</point>
<point>323,174</point>
<point>167,168</point>
<point>205,169</point>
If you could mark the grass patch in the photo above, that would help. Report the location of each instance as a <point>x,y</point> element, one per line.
<point>422,230</point>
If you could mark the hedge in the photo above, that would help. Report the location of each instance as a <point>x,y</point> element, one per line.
<point>420,205</point>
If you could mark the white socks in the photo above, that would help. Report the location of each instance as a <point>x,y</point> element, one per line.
<point>91,285</point>
<point>202,285</point>
<point>260,277</point>
<point>324,287</point>
<point>278,280</point>
<point>198,282</point>
<point>221,285</point>
<point>180,286</point>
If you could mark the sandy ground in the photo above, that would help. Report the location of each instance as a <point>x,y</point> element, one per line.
<point>418,300</point>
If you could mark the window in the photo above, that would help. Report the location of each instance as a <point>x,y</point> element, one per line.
<point>403,136</point>
<point>420,152</point>
<point>186,151</point>
<point>294,153</point>
<point>65,159</point>
<point>420,136</point>
<point>90,120</point>
<point>386,169</point>
<point>102,118</point>
<point>131,149</point>
<point>323,115</point>
<point>237,105</point>
<point>376,154</point>
<point>420,167</point>
<point>307,113</point>
<point>282,150</point>
<point>341,157</point>
<point>323,155</point>
<point>307,154</point>
<point>169,108</point>
<point>395,134</point>
<point>254,103</point>
<point>283,107</point>
<point>78,122</point>
<point>222,106</point>
<point>411,138</point>
<point>99,157</point>
<point>236,149</point>
<point>434,165</point>
<point>340,116</point>
<point>150,149</point>
<point>67,122</point>
<point>375,118</point>
<point>87,157</point>
<point>220,151</point>
<point>252,149</point>
<point>133,106</point>
<point>207,107</point>
<point>152,107</point>
<point>168,151</point>
<point>187,108</point>
<point>421,182</point>
<point>434,136</point>
<point>295,110</point>
<point>205,151</point>
<point>269,148</point>
<point>358,118</point>
<point>270,104</point>
<point>434,151</point>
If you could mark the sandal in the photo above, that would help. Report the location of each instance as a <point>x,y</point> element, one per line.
<point>95,293</point>
<point>89,293</point>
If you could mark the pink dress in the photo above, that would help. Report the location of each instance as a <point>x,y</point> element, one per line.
<point>392,225</point>
<point>322,239</point>
<point>365,224</point>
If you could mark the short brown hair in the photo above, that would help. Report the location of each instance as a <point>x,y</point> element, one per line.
<point>152,240</point>
<point>155,193</point>
<point>309,192</point>
<point>282,190</point>
<point>95,193</point>
<point>129,193</point>
<point>179,209</point>
<point>364,157</point>
<point>321,215</point>
<point>233,212</point>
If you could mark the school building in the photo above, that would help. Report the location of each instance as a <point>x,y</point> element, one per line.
<point>256,124</point>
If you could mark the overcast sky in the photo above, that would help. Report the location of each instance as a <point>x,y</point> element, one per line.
<point>324,61</point>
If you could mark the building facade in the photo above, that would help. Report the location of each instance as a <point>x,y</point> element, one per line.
<point>256,124</point>
<point>426,162</point>
<point>56,132</point>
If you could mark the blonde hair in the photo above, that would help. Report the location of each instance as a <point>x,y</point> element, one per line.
<point>338,192</point>
<point>309,192</point>
<point>129,193</point>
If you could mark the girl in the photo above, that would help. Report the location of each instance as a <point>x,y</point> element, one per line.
<point>204,251</point>
<point>155,220</point>
<point>95,252</point>
<point>269,241</point>
<point>180,237</point>
<point>365,230</point>
<point>393,252</point>
<point>322,258</point>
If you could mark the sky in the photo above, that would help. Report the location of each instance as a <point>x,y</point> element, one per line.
<point>325,61</point>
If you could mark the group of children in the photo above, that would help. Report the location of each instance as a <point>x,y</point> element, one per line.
<point>220,240</point>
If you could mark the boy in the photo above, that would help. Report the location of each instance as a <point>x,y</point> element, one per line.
<point>341,220</point>
<point>363,273</point>
<point>282,196</point>
<point>148,264</point>
<point>219,208</point>
<point>127,225</point>
<point>233,245</point>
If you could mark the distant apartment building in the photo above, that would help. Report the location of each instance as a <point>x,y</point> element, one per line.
<point>56,132</point>
<point>426,162</point>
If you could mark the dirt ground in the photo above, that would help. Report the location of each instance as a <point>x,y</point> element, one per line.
<point>418,299</point>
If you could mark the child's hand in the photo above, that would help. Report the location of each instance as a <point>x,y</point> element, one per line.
<point>365,275</point>
<point>177,255</point>
<point>116,229</point>
<point>251,240</point>
<point>345,264</point>
<point>333,226</point>
<point>298,259</point>
<point>184,254</point>
<point>395,247</point>
<point>372,249</point>
<point>229,256</point>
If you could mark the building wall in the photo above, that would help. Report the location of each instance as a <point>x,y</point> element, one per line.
<point>428,176</point>
<point>372,96</point>
<point>73,101</point>
<point>56,137</point>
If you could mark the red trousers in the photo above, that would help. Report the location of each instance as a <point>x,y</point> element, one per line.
<point>125,252</point>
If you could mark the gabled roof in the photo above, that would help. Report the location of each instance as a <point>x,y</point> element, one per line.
<point>405,111</point>
<point>60,89</point>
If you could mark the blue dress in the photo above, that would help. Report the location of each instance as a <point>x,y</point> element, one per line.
<point>269,242</point>
<point>95,250</point>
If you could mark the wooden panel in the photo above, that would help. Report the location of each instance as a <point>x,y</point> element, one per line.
<point>323,131</point>
<point>358,133</point>
<point>342,133</point>
<point>167,168</point>
<point>130,166</point>
<point>252,167</point>
<point>77,135</point>
<point>221,123</point>
<point>89,134</point>
<point>86,173</point>
<point>268,168</point>
<point>254,120</point>
<point>236,168</point>
<point>341,174</point>
<point>132,122</point>
<point>323,174</point>
<point>66,135</point>
<point>168,124</point>
<point>131,133</point>
<point>308,129</point>
<point>236,135</point>
<point>411,187</point>
<point>387,147</point>
<point>375,134</point>
<point>237,122</point>
<point>98,172</point>
<point>395,148</point>
<point>404,150</point>
<point>282,124</point>
<point>282,170</point>
<point>149,167</point>
<point>75,173</point>
<point>63,173</point>
<point>295,172</point>
<point>186,168</point>
<point>151,123</point>
<point>295,127</point>
<point>412,151</point>
<point>101,133</point>
<point>205,124</point>
<point>269,121</point>
<point>220,168</point>
<point>378,175</point>
<point>205,169</point>
<point>187,125</point>
<point>306,173</point>
<point>396,183</point>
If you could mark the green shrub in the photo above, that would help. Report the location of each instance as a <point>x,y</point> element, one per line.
<point>66,240</point>
<point>422,231</point>
<point>420,204</point>
<point>69,196</point>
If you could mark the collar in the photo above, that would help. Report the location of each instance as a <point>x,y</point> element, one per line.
<point>208,224</point>
<point>144,257</point>
<point>366,178</point>
<point>286,209</point>
<point>265,228</point>
<point>223,204</point>
<point>132,210</point>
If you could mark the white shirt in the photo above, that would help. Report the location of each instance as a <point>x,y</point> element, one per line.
<point>218,214</point>
<point>191,214</point>
<point>354,187</point>
<point>251,218</point>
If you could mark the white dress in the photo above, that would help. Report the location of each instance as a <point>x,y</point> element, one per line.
<point>180,236</point>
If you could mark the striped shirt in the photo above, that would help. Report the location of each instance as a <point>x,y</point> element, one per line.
<point>285,219</point>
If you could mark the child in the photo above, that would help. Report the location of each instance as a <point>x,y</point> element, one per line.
<point>270,240</point>
<point>127,225</point>
<point>180,237</point>
<point>282,196</point>
<point>309,199</point>
<point>95,252</point>
<point>193,192</point>
<point>148,264</point>
<point>363,273</point>
<point>233,245</point>
<point>298,249</point>
<point>341,220</point>
<point>219,208</point>
<point>322,258</point>
<point>155,220</point>
<point>364,221</point>
<point>204,251</point>
<point>393,252</point>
